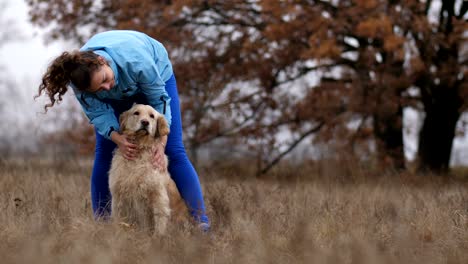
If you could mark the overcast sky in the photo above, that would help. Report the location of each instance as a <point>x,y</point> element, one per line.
<point>31,53</point>
<point>26,60</point>
<point>23,61</point>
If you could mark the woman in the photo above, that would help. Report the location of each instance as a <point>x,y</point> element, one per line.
<point>111,72</point>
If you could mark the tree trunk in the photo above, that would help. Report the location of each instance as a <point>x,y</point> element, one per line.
<point>388,130</point>
<point>438,130</point>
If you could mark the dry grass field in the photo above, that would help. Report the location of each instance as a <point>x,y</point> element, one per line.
<point>320,214</point>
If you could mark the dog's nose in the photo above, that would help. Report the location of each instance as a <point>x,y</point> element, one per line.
<point>144,123</point>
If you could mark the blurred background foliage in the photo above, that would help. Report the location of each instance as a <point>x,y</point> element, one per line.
<point>261,79</point>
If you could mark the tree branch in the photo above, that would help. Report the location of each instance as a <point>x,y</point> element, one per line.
<point>428,6</point>
<point>463,9</point>
<point>239,100</point>
<point>290,148</point>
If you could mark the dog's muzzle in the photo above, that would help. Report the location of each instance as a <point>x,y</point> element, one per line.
<point>144,125</point>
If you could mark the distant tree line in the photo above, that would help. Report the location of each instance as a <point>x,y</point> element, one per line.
<point>271,75</point>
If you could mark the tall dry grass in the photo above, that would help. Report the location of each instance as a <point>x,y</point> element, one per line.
<point>322,214</point>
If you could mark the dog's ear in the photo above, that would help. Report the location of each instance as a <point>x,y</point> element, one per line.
<point>123,121</point>
<point>162,129</point>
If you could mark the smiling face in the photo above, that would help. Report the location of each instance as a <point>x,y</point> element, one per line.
<point>103,78</point>
<point>143,120</point>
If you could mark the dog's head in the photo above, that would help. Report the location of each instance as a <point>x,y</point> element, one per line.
<point>143,121</point>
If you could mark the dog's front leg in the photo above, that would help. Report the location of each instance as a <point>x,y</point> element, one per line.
<point>121,211</point>
<point>160,210</point>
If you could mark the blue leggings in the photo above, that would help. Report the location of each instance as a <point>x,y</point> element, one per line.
<point>180,167</point>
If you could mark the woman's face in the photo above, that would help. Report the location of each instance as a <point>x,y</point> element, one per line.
<point>102,79</point>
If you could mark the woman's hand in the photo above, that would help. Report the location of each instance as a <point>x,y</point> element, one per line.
<point>159,160</point>
<point>126,147</point>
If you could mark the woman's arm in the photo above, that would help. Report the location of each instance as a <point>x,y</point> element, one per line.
<point>126,147</point>
<point>100,114</point>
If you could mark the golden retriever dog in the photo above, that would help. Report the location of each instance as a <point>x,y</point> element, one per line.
<point>142,195</point>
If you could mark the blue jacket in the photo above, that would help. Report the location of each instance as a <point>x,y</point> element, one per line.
<point>140,65</point>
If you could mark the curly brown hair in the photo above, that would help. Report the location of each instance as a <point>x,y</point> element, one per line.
<point>76,67</point>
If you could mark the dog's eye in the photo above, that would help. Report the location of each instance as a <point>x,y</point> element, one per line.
<point>151,115</point>
<point>136,113</point>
